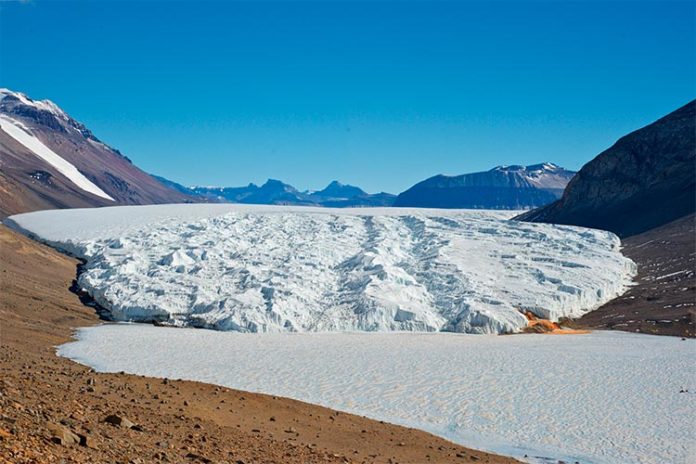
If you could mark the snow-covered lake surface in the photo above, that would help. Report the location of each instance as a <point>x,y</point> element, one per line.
<point>298,269</point>
<point>604,397</point>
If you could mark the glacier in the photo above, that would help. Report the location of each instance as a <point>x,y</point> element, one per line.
<point>252,268</point>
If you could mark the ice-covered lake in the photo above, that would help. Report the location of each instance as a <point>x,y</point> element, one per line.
<point>604,397</point>
<point>298,269</point>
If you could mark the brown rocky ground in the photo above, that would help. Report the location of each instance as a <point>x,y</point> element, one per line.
<point>663,301</point>
<point>45,399</point>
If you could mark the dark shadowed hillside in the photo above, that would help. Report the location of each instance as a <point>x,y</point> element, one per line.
<point>646,179</point>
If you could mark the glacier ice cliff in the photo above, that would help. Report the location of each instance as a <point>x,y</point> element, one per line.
<point>273,269</point>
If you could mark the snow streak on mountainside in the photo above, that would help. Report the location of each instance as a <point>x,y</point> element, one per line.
<point>23,135</point>
<point>50,160</point>
<point>271,269</point>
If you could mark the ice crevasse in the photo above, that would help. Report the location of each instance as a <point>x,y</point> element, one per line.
<point>272,269</point>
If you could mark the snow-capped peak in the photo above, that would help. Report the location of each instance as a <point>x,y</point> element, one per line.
<point>545,166</point>
<point>43,105</point>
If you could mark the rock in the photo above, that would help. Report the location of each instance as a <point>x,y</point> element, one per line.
<point>198,457</point>
<point>88,441</point>
<point>62,435</point>
<point>119,421</point>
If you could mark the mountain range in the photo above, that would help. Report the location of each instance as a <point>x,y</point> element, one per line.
<point>275,192</point>
<point>643,188</point>
<point>503,187</point>
<point>50,160</point>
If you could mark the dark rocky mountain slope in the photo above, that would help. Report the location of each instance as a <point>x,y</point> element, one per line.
<point>646,179</point>
<point>72,168</point>
<point>503,187</point>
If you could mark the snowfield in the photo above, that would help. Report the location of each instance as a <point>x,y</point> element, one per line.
<point>604,397</point>
<point>297,269</point>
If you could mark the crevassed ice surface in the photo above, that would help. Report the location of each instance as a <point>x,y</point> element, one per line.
<point>604,397</point>
<point>265,269</point>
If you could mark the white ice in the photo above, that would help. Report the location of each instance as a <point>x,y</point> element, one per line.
<point>604,397</point>
<point>271,269</point>
<point>23,135</point>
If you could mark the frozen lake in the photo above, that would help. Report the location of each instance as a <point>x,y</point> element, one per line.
<point>604,397</point>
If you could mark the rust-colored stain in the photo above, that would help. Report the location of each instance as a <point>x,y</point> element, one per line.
<point>545,326</point>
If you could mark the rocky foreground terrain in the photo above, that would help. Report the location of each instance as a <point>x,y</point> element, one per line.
<point>53,410</point>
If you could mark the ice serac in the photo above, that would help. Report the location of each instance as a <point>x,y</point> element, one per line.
<point>273,269</point>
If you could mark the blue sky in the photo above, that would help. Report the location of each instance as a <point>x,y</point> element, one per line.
<point>381,95</point>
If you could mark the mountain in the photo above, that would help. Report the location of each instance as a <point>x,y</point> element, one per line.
<point>646,179</point>
<point>338,190</point>
<point>275,192</point>
<point>338,195</point>
<point>50,160</point>
<point>503,187</point>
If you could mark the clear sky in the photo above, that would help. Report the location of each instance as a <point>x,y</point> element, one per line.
<point>381,95</point>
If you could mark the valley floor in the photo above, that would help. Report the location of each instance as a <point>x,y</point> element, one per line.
<point>179,421</point>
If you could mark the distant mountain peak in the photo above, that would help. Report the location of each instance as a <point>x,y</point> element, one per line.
<point>503,187</point>
<point>336,189</point>
<point>546,167</point>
